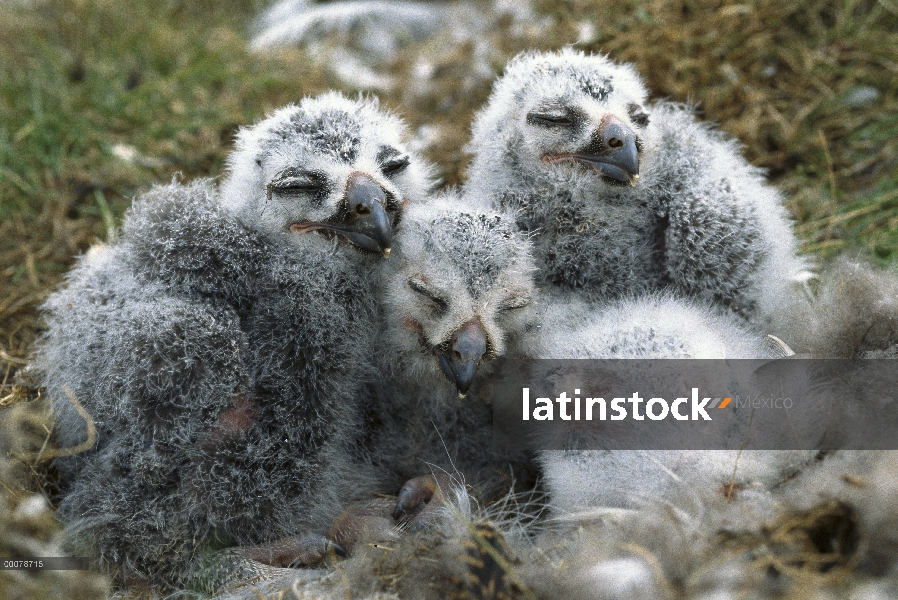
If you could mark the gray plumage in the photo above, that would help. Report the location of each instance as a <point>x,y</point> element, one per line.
<point>655,326</point>
<point>458,271</point>
<point>853,314</point>
<point>677,510</point>
<point>649,326</point>
<point>559,143</point>
<point>220,344</point>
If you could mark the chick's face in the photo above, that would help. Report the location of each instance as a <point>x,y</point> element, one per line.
<point>459,296</point>
<point>570,118</point>
<point>329,172</point>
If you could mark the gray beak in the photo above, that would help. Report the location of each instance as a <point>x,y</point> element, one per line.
<point>620,159</point>
<point>467,350</point>
<point>368,225</point>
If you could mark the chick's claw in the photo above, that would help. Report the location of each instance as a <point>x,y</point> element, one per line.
<point>364,522</point>
<point>420,498</point>
<point>302,549</point>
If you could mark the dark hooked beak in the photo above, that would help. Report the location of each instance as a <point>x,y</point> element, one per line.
<point>367,224</point>
<point>460,362</point>
<point>620,159</point>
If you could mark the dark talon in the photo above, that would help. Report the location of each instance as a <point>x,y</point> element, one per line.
<point>419,499</point>
<point>405,495</point>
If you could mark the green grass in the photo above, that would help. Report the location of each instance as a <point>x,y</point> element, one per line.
<point>173,82</point>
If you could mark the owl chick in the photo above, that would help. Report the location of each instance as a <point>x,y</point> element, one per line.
<point>457,295</point>
<point>660,326</point>
<point>219,347</point>
<point>624,197</point>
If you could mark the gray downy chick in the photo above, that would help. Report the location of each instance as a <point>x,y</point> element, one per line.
<point>658,326</point>
<point>220,344</point>
<point>625,197</point>
<point>457,296</point>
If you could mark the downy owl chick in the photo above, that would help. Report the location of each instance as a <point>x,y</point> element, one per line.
<point>457,295</point>
<point>661,326</point>
<point>219,346</point>
<point>625,197</point>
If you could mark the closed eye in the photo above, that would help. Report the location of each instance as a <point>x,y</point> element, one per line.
<point>298,185</point>
<point>551,117</point>
<point>296,181</point>
<point>421,288</point>
<point>637,114</point>
<point>395,166</point>
<point>513,303</point>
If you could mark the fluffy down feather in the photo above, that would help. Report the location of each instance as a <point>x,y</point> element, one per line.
<point>700,221</point>
<point>220,350</point>
<point>854,313</point>
<point>655,326</point>
<point>456,266</point>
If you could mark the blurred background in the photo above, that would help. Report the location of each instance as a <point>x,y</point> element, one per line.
<point>101,99</point>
